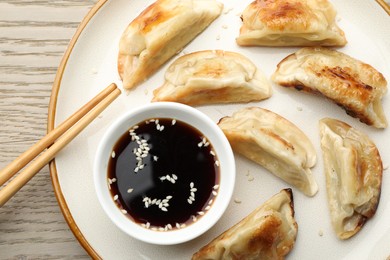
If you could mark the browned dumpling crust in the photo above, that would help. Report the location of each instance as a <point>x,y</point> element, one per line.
<point>290,23</point>
<point>353,169</point>
<point>213,76</point>
<point>354,85</point>
<point>158,33</point>
<point>269,232</point>
<point>274,143</point>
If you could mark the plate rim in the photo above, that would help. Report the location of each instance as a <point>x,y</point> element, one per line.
<point>52,108</point>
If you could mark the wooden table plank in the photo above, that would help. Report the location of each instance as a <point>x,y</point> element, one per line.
<point>33,38</point>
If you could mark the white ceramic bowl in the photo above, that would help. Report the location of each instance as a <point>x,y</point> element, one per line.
<point>192,117</point>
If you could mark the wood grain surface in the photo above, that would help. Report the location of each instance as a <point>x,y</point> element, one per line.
<point>34,35</point>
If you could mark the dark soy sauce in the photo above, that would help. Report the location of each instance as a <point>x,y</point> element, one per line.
<point>163,174</point>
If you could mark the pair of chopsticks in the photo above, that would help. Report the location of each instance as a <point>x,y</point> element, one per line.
<point>53,142</point>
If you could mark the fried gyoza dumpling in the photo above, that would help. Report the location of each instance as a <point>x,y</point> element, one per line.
<point>275,143</point>
<point>350,83</point>
<point>353,169</point>
<point>206,77</point>
<point>290,23</point>
<point>158,33</point>
<point>269,232</point>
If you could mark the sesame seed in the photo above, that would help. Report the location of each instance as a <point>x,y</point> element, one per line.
<point>124,211</point>
<point>189,201</point>
<point>147,225</point>
<point>113,154</point>
<point>216,187</point>
<point>169,226</point>
<point>109,181</point>
<point>200,144</point>
<point>160,229</point>
<point>162,128</point>
<point>191,185</point>
<point>201,213</point>
<point>155,158</point>
<point>169,197</point>
<point>194,218</point>
<point>215,193</point>
<point>173,121</point>
<point>237,201</point>
<point>217,163</point>
<point>135,127</point>
<point>385,167</point>
<point>116,197</point>
<point>177,225</point>
<point>130,190</point>
<point>207,208</point>
<point>228,10</point>
<point>183,225</point>
<point>210,201</point>
<point>193,189</point>
<point>320,233</point>
<point>174,176</point>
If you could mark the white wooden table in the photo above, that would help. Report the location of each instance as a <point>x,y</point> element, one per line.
<point>33,37</point>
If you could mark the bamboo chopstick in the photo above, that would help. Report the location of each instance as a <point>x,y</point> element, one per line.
<point>58,139</point>
<point>384,5</point>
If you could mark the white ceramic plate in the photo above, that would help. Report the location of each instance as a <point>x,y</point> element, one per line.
<point>91,66</point>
